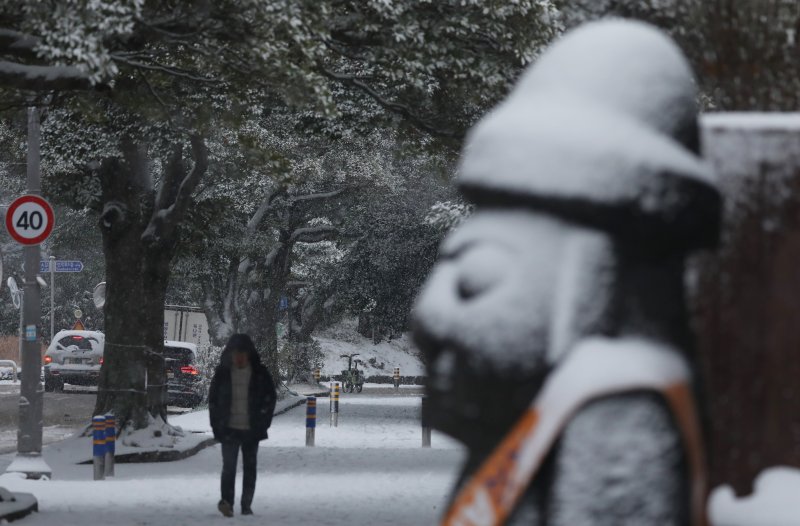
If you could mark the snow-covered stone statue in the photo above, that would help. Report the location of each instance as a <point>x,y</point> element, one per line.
<point>554,325</point>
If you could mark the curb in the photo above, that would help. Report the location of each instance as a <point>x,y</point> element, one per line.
<point>290,407</point>
<point>171,456</point>
<point>160,456</point>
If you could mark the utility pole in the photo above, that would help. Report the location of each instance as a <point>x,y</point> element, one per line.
<point>29,436</point>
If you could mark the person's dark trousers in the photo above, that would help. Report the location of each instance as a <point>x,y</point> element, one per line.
<point>233,441</point>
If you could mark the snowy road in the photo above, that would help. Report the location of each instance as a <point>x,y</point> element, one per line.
<point>369,470</point>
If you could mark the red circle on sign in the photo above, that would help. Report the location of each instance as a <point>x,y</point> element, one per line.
<point>38,203</point>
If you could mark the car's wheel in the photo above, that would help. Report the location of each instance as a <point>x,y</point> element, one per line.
<point>58,385</point>
<point>48,385</point>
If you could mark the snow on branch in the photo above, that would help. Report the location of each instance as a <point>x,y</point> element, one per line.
<point>260,212</point>
<point>268,204</point>
<point>222,318</point>
<point>42,78</point>
<point>167,216</point>
<point>255,220</point>
<point>313,234</point>
<point>314,197</point>
<point>189,183</point>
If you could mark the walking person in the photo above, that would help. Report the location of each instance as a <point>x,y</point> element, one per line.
<point>241,401</point>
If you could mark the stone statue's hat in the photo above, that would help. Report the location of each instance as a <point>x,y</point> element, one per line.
<point>601,130</point>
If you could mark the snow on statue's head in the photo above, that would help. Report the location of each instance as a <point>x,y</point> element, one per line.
<point>589,193</point>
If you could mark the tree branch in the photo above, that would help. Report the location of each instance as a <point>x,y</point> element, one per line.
<point>313,234</point>
<point>42,78</point>
<point>262,210</point>
<point>200,158</point>
<point>167,216</point>
<point>174,172</point>
<point>175,72</point>
<point>222,318</point>
<point>18,44</point>
<point>314,197</point>
<point>394,107</point>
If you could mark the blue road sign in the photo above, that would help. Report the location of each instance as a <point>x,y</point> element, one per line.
<point>61,266</point>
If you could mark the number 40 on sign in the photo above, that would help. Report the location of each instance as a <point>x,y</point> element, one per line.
<point>30,220</point>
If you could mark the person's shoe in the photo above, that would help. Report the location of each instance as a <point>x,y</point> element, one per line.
<point>247,510</point>
<point>225,508</point>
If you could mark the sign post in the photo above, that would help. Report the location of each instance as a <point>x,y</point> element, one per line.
<point>30,221</point>
<point>52,268</point>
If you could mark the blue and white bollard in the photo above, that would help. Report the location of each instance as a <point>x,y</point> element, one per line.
<point>99,446</point>
<point>111,440</point>
<point>311,420</point>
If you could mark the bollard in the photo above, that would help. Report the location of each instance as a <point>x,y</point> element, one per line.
<point>335,406</point>
<point>311,420</point>
<point>426,427</point>
<point>317,373</point>
<point>111,440</point>
<point>99,446</point>
<point>396,378</point>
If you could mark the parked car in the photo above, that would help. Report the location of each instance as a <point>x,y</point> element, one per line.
<point>184,380</point>
<point>74,357</point>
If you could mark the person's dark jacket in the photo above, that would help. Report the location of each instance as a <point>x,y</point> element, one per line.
<point>261,396</point>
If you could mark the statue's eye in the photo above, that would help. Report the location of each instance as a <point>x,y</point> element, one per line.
<point>480,268</point>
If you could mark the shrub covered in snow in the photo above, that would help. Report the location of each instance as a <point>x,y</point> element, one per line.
<point>207,360</point>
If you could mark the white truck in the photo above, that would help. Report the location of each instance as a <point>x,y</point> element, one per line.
<point>185,324</point>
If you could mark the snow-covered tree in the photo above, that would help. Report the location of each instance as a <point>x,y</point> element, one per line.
<point>136,89</point>
<point>744,51</point>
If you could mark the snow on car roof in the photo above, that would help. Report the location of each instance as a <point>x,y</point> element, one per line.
<point>185,345</point>
<point>96,334</point>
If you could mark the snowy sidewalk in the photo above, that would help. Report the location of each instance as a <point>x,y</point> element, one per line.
<point>369,470</point>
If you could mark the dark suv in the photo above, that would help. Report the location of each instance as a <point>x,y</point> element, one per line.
<point>184,381</point>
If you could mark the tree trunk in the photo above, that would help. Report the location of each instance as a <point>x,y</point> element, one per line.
<point>139,241</point>
<point>156,280</point>
<point>263,326</point>
<point>123,379</point>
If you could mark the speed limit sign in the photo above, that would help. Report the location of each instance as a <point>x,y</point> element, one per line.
<point>29,220</point>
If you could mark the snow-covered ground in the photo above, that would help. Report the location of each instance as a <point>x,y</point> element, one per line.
<point>50,434</point>
<point>368,470</point>
<point>387,355</point>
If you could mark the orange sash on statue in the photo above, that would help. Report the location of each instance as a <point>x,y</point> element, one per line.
<point>596,368</point>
